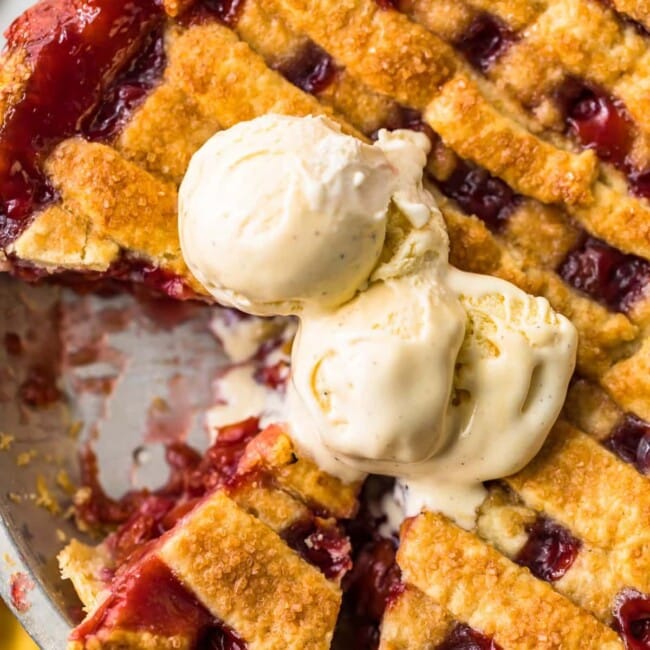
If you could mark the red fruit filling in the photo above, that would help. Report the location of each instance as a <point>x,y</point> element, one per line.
<point>375,579</point>
<point>76,51</point>
<point>225,11</point>
<point>606,274</point>
<point>550,550</point>
<point>124,272</point>
<point>130,89</point>
<point>597,120</point>
<point>39,388</point>
<point>632,619</point>
<point>143,515</point>
<point>485,41</point>
<point>322,544</point>
<point>147,597</point>
<point>312,69</point>
<point>372,584</point>
<point>388,4</point>
<point>463,637</point>
<point>480,194</point>
<point>407,118</point>
<point>274,377</point>
<point>630,441</point>
<point>601,122</point>
<point>13,344</point>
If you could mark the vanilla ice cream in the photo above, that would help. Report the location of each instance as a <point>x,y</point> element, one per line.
<point>279,212</point>
<point>402,365</point>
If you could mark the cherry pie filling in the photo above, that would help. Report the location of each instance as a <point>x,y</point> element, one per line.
<point>630,441</point>
<point>606,274</point>
<point>479,193</point>
<point>549,551</point>
<point>463,637</point>
<point>312,69</point>
<point>225,11</point>
<point>486,39</point>
<point>632,618</point>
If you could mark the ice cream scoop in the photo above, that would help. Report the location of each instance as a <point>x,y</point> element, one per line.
<point>281,212</point>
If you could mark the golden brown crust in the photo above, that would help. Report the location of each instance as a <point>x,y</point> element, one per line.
<point>273,451</point>
<point>127,640</point>
<point>516,14</point>
<point>637,9</point>
<point>593,579</point>
<point>77,244</point>
<point>83,565</point>
<point>15,72</point>
<point>412,621</point>
<point>580,484</point>
<point>471,126</point>
<point>240,87</point>
<point>623,221</point>
<point>164,134</point>
<point>249,579</point>
<point>272,507</point>
<point>363,38</point>
<point>449,19</point>
<point>496,597</point>
<point>628,382</point>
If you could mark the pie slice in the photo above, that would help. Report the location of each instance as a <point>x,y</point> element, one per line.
<point>223,554</point>
<point>537,113</point>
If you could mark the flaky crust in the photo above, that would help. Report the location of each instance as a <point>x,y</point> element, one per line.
<point>248,578</point>
<point>412,621</point>
<point>496,597</point>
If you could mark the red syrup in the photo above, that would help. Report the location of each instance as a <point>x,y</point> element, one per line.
<point>322,544</point>
<point>39,389</point>
<point>630,441</point>
<point>274,377</point>
<point>632,619</point>
<point>407,118</point>
<point>606,274</point>
<point>130,89</point>
<point>13,344</point>
<point>375,579</point>
<point>486,39</point>
<point>463,637</point>
<point>76,49</point>
<point>142,515</point>
<point>147,597</point>
<point>480,194</point>
<point>312,69</point>
<point>388,4</point>
<point>601,122</point>
<point>550,550</point>
<point>225,11</point>
<point>126,273</point>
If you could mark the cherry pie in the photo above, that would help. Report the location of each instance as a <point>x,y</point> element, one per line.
<point>538,116</point>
